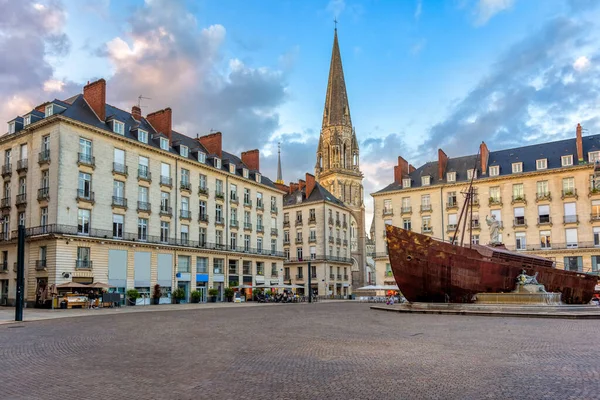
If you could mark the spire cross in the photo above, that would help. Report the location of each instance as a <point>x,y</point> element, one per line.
<point>335,22</point>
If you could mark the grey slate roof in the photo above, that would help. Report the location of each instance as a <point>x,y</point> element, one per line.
<point>551,151</point>
<point>319,193</point>
<point>77,109</point>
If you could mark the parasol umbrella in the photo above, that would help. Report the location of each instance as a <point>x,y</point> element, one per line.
<point>100,285</point>
<point>72,285</point>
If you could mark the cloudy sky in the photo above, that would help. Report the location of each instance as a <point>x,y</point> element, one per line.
<point>421,74</point>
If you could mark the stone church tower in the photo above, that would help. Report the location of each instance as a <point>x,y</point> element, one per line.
<point>337,167</point>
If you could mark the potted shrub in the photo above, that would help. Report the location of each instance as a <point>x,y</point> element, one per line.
<point>229,292</point>
<point>196,296</point>
<point>157,294</point>
<point>212,295</point>
<point>178,295</point>
<point>132,296</point>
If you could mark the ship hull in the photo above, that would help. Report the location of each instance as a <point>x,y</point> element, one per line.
<point>427,270</point>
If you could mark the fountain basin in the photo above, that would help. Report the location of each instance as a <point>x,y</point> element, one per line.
<point>540,298</point>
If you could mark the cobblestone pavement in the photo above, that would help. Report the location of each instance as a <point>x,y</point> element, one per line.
<point>299,351</point>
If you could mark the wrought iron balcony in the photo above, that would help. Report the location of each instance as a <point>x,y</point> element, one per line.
<point>44,157</point>
<point>259,204</point>
<point>569,193</point>
<point>40,265</point>
<point>451,204</point>
<point>166,211</point>
<point>247,226</point>
<point>274,209</point>
<point>495,201</point>
<point>22,165</point>
<point>185,214</point>
<point>540,196</point>
<point>166,181</point>
<point>519,222</point>
<point>426,229</point>
<point>518,198</point>
<point>120,169</point>
<point>233,198</point>
<point>83,264</point>
<point>260,228</point>
<point>406,210</point>
<point>144,174</point>
<point>299,222</point>
<point>120,202</point>
<point>286,224</point>
<point>387,211</point>
<point>185,185</point>
<point>5,203</point>
<point>85,195</point>
<point>143,206</point>
<point>544,220</point>
<point>21,199</point>
<point>312,220</point>
<point>247,203</point>
<point>86,159</point>
<point>203,191</point>
<point>203,218</point>
<point>425,208</point>
<point>274,231</point>
<point>233,223</point>
<point>571,219</point>
<point>6,170</point>
<point>43,193</point>
<point>219,195</point>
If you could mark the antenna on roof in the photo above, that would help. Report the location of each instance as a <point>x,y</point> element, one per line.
<point>140,97</point>
<point>212,130</point>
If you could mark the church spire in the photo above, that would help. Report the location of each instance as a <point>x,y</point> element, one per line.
<point>279,177</point>
<point>337,111</point>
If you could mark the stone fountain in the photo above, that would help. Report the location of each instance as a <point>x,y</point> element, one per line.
<point>528,291</point>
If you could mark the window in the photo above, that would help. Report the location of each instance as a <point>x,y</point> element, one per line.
<point>246,242</point>
<point>259,222</point>
<point>164,201</point>
<point>183,151</point>
<point>21,217</point>
<point>259,243</point>
<point>218,266</point>
<point>542,188</point>
<point>43,253</point>
<point>185,179</point>
<point>312,235</point>
<point>164,231</point>
<point>426,224</point>
<point>406,182</point>
<point>118,127</point>
<point>495,194</point>
<point>247,196</point>
<point>245,173</point>
<point>142,229</point>
<point>44,216</point>
<point>452,199</point>
<point>544,214</point>
<point>594,156</point>
<point>183,264</point>
<point>11,127</point>
<point>425,201</point>
<point>518,192</point>
<point>258,178</point>
<point>22,185</point>
<point>452,221</point>
<point>217,163</point>
<point>143,195</point>
<point>571,235</point>
<point>219,214</point>
<point>233,240</point>
<point>83,257</point>
<point>165,172</point>
<point>274,205</point>
<point>85,149</point>
<point>202,236</point>
<point>406,224</point>
<point>143,167</point>
<point>6,190</point>
<point>219,187</point>
<point>259,200</point>
<point>566,161</point>
<point>517,167</point>
<point>595,264</point>
<point>49,109</point>
<point>26,120</point>
<point>545,242</point>
<point>83,221</point>
<point>475,239</point>
<point>451,176</point>
<point>273,246</point>
<point>7,155</point>
<point>574,264</point>
<point>234,217</point>
<point>519,213</point>
<point>425,180</point>
<point>286,236</point>
<point>202,182</point>
<point>313,253</point>
<point>299,253</point>
<point>498,215</point>
<point>494,170</point>
<point>571,213</point>
<point>520,241</point>
<point>85,185</point>
<point>232,168</point>
<point>568,186</point>
<point>185,204</point>
<point>471,174</point>
<point>201,157</point>
<point>142,136</point>
<point>541,164</point>
<point>233,192</point>
<point>286,253</point>
<point>164,143</point>
<point>387,206</point>
<point>596,232</point>
<point>299,236</point>
<point>202,210</point>
<point>118,221</point>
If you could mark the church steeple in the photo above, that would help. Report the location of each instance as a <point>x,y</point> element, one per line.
<point>279,177</point>
<point>337,110</point>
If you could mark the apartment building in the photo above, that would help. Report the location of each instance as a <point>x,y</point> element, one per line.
<point>316,231</point>
<point>546,198</point>
<point>111,196</point>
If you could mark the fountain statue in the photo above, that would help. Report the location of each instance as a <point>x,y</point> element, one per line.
<point>528,291</point>
<point>528,284</point>
<point>494,229</point>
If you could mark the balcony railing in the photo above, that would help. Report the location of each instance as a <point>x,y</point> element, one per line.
<point>475,224</point>
<point>571,219</point>
<point>233,223</point>
<point>203,218</point>
<point>330,221</point>
<point>386,211</point>
<point>544,220</point>
<point>569,193</point>
<point>119,202</point>
<point>166,211</point>
<point>299,222</point>
<point>21,199</point>
<point>320,257</point>
<point>338,241</point>
<point>299,241</point>
<point>425,208</point>
<point>86,159</point>
<point>519,222</point>
<point>219,221</point>
<point>233,198</point>
<point>247,203</point>
<point>426,229</point>
<point>40,265</point>
<point>166,181</point>
<point>185,214</point>
<point>345,242</point>
<point>44,157</point>
<point>274,209</point>
<point>6,170</point>
<point>259,205</point>
<point>406,210</point>
<point>203,191</point>
<point>5,203</point>
<point>312,220</point>
<point>540,196</point>
<point>219,195</point>
<point>22,165</point>
<point>495,201</point>
<point>43,193</point>
<point>247,226</point>
<point>143,206</point>
<point>274,231</point>
<point>330,239</point>
<point>119,169</point>
<point>331,276</point>
<point>144,174</point>
<point>300,277</point>
<point>339,277</point>
<point>260,228</point>
<point>452,204</point>
<point>312,239</point>
<point>345,277</point>
<point>338,222</point>
<point>83,264</point>
<point>286,224</point>
<point>4,266</point>
<point>518,198</point>
<point>85,195</point>
<point>183,185</point>
<point>451,227</point>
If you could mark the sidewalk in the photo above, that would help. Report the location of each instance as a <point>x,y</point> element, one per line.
<point>7,314</point>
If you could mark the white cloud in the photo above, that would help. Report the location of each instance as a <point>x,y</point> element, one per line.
<point>419,9</point>
<point>486,9</point>
<point>418,46</point>
<point>53,85</point>
<point>581,64</point>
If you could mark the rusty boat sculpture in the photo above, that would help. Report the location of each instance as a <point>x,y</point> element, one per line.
<point>429,270</point>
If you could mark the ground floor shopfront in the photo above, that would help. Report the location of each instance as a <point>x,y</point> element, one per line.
<point>54,260</point>
<point>327,278</point>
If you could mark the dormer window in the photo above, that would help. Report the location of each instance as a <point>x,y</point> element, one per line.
<point>245,172</point>
<point>11,127</point>
<point>471,174</point>
<point>425,180</point>
<point>232,168</point>
<point>594,156</point>
<point>142,136</point>
<point>118,127</point>
<point>258,178</point>
<point>201,157</point>
<point>541,164</point>
<point>517,167</point>
<point>217,163</point>
<point>406,182</point>
<point>49,110</point>
<point>451,176</point>
<point>566,161</point>
<point>494,170</point>
<point>27,120</point>
<point>299,198</point>
<point>164,143</point>
<point>183,151</point>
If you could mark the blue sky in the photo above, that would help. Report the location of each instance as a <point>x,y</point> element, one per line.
<point>421,74</point>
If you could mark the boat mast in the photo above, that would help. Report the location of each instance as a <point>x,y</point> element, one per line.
<point>467,209</point>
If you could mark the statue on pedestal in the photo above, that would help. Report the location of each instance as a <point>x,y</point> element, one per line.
<point>494,229</point>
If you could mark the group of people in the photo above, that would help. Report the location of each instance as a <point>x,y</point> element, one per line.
<point>285,297</point>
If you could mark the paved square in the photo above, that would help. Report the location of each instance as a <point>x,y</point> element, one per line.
<point>299,351</point>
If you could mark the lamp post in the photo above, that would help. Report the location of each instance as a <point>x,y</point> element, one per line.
<point>20,274</point>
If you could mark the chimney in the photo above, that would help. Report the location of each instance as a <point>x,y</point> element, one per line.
<point>42,107</point>
<point>95,95</point>
<point>252,159</point>
<point>484,153</point>
<point>442,164</point>
<point>411,169</point>
<point>161,121</point>
<point>293,187</point>
<point>301,184</point>
<point>400,170</point>
<point>136,112</point>
<point>212,143</point>
<point>282,187</point>
<point>310,184</point>
<point>579,142</point>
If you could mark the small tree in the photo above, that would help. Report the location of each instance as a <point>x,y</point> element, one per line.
<point>196,296</point>
<point>133,295</point>
<point>229,292</point>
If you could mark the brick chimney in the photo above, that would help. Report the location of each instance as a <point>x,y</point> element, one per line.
<point>136,112</point>
<point>484,155</point>
<point>42,107</point>
<point>212,143</point>
<point>293,187</point>
<point>282,187</point>
<point>442,164</point>
<point>400,170</point>
<point>252,159</point>
<point>95,95</point>
<point>301,184</point>
<point>411,169</point>
<point>579,142</point>
<point>310,184</point>
<point>161,120</point>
